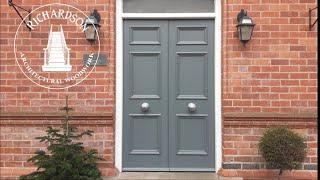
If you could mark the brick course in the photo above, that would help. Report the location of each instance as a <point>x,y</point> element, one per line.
<point>18,94</point>
<point>274,74</point>
<point>276,71</point>
<point>95,94</point>
<point>18,143</point>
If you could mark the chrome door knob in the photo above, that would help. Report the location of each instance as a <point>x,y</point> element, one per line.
<point>145,107</point>
<point>192,107</point>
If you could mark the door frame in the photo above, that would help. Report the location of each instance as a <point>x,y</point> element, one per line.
<point>120,16</point>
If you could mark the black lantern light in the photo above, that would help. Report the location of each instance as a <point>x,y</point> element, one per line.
<point>245,26</point>
<point>92,26</point>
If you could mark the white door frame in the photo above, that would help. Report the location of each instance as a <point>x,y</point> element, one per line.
<point>120,16</point>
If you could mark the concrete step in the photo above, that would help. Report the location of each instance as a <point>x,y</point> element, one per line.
<point>169,175</point>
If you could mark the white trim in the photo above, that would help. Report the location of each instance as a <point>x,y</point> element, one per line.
<point>119,73</point>
<point>168,15</point>
<point>217,85</point>
<point>119,86</point>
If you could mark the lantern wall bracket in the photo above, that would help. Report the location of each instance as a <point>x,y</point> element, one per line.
<point>241,14</point>
<point>311,24</point>
<point>96,15</point>
<point>16,7</point>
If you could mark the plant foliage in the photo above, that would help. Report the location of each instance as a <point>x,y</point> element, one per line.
<point>65,159</point>
<point>282,148</point>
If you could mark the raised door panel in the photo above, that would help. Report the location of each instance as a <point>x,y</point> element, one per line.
<point>191,122</point>
<point>145,74</point>
<point>191,75</point>
<point>145,122</point>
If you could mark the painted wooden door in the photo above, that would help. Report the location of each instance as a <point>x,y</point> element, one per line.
<point>168,95</point>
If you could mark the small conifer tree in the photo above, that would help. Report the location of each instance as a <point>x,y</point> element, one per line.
<point>65,159</point>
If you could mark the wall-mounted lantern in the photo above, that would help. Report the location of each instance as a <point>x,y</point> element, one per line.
<point>245,26</point>
<point>92,26</point>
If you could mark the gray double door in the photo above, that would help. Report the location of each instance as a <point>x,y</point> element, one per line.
<point>168,119</point>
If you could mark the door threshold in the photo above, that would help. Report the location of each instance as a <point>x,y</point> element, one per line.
<point>169,175</point>
<point>143,169</point>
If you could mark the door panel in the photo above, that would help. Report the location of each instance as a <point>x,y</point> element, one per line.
<point>145,143</point>
<point>191,131</point>
<point>168,65</point>
<point>145,67</point>
<point>191,62</point>
<point>151,126</point>
<point>191,142</point>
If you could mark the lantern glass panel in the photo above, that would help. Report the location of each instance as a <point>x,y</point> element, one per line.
<point>90,33</point>
<point>245,32</point>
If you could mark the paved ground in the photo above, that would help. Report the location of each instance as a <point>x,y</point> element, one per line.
<point>168,175</point>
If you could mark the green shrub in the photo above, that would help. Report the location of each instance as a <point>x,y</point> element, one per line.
<point>282,148</point>
<point>65,159</point>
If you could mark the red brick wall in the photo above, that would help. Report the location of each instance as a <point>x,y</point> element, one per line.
<point>274,74</point>
<point>240,144</point>
<point>96,94</point>
<point>277,70</point>
<point>241,136</point>
<point>18,143</point>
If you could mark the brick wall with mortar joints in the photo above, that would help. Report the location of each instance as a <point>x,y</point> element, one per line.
<point>19,95</point>
<point>95,94</point>
<point>277,70</point>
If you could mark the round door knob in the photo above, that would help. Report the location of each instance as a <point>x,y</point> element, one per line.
<point>192,107</point>
<point>145,107</point>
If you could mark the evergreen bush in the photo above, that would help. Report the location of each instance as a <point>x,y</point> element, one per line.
<point>282,148</point>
